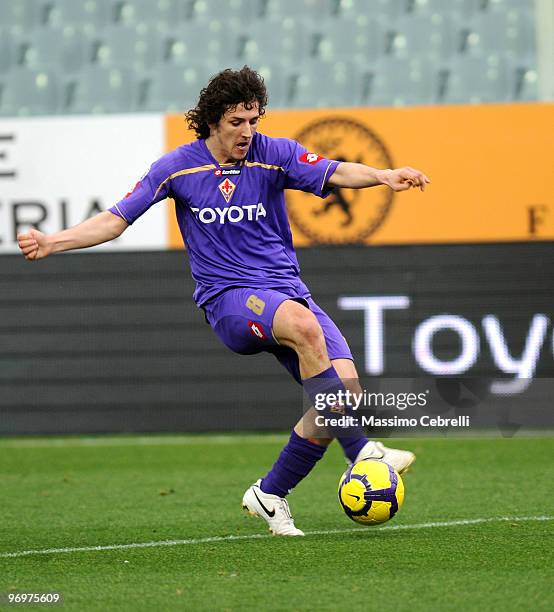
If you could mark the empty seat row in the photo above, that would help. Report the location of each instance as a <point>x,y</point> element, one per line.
<point>362,40</point>
<point>389,82</point>
<point>99,13</point>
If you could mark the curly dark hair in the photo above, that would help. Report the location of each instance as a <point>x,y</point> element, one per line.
<point>226,90</point>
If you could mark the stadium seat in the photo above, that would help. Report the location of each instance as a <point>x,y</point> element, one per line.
<point>8,50</point>
<point>242,11</point>
<point>422,34</point>
<point>457,10</point>
<point>477,79</point>
<point>386,10</point>
<point>308,10</point>
<point>509,33</point>
<point>92,13</point>
<point>357,38</point>
<point>278,82</point>
<point>526,84</point>
<point>64,50</point>
<point>101,90</point>
<point>28,92</point>
<point>286,40</point>
<point>172,88</point>
<point>186,10</point>
<point>216,46</point>
<point>396,81</point>
<point>24,14</point>
<point>139,47</point>
<point>319,84</point>
<point>501,6</point>
<point>146,12</point>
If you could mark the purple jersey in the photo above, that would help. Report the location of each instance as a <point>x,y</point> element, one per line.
<point>233,218</point>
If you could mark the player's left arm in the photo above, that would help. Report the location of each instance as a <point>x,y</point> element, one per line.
<point>360,176</point>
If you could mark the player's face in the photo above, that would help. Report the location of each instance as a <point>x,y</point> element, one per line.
<point>230,139</point>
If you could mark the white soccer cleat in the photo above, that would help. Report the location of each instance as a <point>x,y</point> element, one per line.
<point>274,509</point>
<point>400,460</point>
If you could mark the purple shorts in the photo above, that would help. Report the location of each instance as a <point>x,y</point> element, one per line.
<point>243,320</point>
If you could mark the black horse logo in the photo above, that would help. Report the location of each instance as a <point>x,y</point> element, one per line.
<point>346,216</point>
<point>337,198</point>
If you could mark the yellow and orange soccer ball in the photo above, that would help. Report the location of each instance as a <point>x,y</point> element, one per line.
<point>371,492</point>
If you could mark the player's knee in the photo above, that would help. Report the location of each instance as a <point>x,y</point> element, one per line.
<point>307,332</point>
<point>298,327</point>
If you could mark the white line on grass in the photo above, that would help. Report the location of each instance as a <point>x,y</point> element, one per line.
<point>258,536</point>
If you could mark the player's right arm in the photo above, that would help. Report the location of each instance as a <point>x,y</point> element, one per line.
<point>154,186</point>
<point>98,229</point>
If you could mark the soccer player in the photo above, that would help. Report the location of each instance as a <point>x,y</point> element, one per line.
<point>228,188</point>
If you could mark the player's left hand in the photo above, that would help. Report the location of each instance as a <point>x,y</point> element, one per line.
<point>402,179</point>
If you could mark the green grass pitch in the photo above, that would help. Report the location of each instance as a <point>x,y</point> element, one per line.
<point>83,492</point>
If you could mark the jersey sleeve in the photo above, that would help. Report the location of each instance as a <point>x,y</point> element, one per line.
<point>307,171</point>
<point>154,186</point>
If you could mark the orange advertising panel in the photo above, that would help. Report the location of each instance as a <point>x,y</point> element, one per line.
<point>491,169</point>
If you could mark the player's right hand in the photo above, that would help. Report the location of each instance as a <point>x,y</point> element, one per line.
<point>34,244</point>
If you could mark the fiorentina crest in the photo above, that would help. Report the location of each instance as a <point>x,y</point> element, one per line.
<point>227,188</point>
